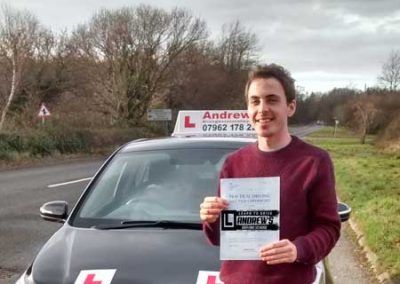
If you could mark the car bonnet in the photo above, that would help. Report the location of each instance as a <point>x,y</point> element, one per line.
<point>139,255</point>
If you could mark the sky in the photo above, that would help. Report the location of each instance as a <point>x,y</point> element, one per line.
<point>323,43</point>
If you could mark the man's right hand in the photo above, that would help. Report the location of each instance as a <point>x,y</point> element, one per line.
<point>211,208</point>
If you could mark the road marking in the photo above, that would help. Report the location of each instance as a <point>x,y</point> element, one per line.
<point>68,182</point>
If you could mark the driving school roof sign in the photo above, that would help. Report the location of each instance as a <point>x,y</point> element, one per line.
<point>213,123</point>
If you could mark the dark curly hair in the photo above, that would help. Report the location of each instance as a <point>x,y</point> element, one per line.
<point>273,71</point>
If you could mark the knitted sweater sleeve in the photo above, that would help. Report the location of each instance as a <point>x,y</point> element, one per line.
<point>325,221</point>
<point>212,229</point>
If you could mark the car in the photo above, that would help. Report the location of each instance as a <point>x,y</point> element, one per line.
<point>138,219</point>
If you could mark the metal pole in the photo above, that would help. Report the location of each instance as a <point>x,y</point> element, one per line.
<point>334,131</point>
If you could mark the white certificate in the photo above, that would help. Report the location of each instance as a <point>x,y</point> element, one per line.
<point>252,218</point>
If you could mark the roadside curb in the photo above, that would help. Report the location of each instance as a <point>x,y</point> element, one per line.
<point>384,277</point>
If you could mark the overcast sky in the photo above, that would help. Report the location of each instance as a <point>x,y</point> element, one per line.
<point>324,43</point>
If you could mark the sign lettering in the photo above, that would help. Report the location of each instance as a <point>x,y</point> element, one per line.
<point>231,123</point>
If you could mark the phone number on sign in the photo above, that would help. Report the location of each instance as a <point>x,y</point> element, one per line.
<point>227,127</point>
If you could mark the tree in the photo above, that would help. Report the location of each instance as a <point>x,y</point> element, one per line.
<point>391,133</point>
<point>390,76</point>
<point>45,78</point>
<point>237,47</point>
<point>365,112</point>
<point>132,50</point>
<point>18,34</point>
<point>196,82</point>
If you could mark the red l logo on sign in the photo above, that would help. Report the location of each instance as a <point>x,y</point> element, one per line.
<point>90,279</point>
<point>188,124</point>
<point>212,279</point>
<point>208,277</point>
<point>102,276</point>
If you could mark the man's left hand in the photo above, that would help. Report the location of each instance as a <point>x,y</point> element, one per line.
<point>283,251</point>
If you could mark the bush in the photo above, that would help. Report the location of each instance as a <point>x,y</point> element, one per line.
<point>17,143</point>
<point>12,141</point>
<point>66,140</point>
<point>4,143</point>
<point>72,143</point>
<point>389,138</point>
<point>392,130</point>
<point>41,145</point>
<point>7,155</point>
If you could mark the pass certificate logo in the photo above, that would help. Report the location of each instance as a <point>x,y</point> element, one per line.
<point>255,220</point>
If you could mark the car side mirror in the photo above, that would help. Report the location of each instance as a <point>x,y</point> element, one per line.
<point>344,211</point>
<point>54,211</point>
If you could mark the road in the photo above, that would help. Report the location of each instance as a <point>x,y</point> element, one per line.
<point>22,192</point>
<point>23,232</point>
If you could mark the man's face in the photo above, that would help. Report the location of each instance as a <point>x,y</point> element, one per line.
<point>267,107</point>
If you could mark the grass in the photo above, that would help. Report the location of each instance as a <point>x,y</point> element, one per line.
<point>368,180</point>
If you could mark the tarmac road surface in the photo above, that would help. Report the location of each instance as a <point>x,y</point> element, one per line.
<point>22,192</point>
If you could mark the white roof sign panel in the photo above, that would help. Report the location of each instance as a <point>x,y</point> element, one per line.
<point>213,123</point>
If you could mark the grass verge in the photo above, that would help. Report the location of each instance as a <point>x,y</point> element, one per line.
<point>368,180</point>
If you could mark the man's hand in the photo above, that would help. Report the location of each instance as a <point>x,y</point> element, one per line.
<point>211,208</point>
<point>283,251</point>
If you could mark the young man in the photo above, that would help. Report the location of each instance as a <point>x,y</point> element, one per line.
<point>309,222</point>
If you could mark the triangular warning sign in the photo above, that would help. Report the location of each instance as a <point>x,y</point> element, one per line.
<point>43,112</point>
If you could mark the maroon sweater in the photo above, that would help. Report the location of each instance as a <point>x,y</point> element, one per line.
<point>308,210</point>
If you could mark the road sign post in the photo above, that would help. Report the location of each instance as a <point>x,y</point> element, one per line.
<point>164,115</point>
<point>334,130</point>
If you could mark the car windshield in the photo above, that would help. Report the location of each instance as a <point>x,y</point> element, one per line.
<point>152,186</point>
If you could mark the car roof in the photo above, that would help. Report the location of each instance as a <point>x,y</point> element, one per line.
<point>185,143</point>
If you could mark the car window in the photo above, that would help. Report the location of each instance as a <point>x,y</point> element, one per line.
<point>153,185</point>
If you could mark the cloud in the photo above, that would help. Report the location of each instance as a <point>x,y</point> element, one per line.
<point>314,38</point>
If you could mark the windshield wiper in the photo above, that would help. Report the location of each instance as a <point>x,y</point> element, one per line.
<point>165,224</point>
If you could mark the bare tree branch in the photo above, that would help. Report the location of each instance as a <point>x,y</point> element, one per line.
<point>390,76</point>
<point>136,47</point>
<point>18,35</point>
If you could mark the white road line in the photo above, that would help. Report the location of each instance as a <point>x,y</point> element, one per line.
<point>68,182</point>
